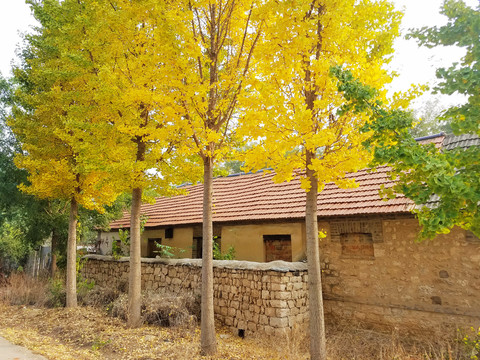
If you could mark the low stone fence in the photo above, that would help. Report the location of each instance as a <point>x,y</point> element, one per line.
<point>272,298</point>
<point>249,297</point>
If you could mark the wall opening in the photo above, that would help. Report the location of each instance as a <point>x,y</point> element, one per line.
<point>278,247</point>
<point>154,249</point>
<point>197,247</point>
<point>169,233</point>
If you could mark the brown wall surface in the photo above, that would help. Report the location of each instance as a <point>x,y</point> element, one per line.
<point>440,276</point>
<point>248,239</point>
<point>373,270</point>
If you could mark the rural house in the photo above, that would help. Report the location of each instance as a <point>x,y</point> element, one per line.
<point>373,270</point>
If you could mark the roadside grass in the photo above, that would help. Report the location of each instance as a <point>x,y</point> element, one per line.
<point>89,332</point>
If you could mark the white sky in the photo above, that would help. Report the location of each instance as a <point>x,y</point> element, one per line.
<point>414,64</point>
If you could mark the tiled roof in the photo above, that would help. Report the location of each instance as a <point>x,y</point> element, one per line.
<point>460,141</point>
<point>255,197</point>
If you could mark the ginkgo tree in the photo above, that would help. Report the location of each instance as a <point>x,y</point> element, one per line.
<point>44,120</point>
<point>295,123</point>
<point>218,41</point>
<point>128,46</point>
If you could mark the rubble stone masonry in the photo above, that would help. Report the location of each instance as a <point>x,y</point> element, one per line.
<point>249,297</point>
<point>397,283</point>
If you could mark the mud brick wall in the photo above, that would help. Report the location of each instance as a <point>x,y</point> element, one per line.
<point>268,298</point>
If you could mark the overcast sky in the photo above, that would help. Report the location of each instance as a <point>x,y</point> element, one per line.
<point>414,64</point>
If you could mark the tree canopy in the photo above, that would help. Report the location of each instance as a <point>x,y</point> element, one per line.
<point>443,183</point>
<point>295,125</point>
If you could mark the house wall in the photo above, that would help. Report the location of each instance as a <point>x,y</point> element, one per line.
<point>106,240</point>
<point>181,241</point>
<point>248,239</point>
<point>386,280</point>
<point>405,281</point>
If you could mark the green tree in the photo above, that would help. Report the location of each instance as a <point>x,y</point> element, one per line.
<point>464,77</point>
<point>445,185</point>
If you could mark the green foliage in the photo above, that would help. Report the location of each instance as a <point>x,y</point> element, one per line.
<point>166,251</point>
<point>13,250</point>
<point>421,171</point>
<point>217,252</point>
<point>169,251</point>
<point>56,293</point>
<point>464,78</point>
<point>118,249</point>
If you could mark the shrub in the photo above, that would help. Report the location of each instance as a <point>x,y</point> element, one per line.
<point>217,253</point>
<point>57,295</point>
<point>21,289</point>
<point>161,308</point>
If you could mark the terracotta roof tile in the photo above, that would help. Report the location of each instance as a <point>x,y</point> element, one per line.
<point>257,197</point>
<point>251,197</point>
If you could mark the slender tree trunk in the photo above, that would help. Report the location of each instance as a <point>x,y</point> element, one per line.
<point>317,325</point>
<point>208,339</point>
<point>53,252</point>
<point>135,272</point>
<point>72,256</point>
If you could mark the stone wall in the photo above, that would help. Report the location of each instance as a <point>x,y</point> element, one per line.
<point>253,297</point>
<point>405,283</point>
<point>373,271</point>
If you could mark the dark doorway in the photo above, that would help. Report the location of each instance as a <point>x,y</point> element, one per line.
<point>154,248</point>
<point>197,247</point>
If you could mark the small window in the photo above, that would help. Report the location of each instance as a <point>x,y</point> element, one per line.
<point>278,247</point>
<point>154,247</point>
<point>357,245</point>
<point>169,233</point>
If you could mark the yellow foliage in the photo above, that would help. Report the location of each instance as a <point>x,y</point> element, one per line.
<point>292,104</point>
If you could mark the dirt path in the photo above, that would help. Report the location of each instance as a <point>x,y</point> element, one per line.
<point>8,351</point>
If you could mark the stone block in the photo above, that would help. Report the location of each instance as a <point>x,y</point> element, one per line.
<point>277,322</point>
<point>278,287</point>
<point>278,303</point>
<point>252,326</point>
<point>282,312</point>
<point>283,295</point>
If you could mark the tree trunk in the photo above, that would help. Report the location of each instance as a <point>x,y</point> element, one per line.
<point>71,287</point>
<point>135,272</point>
<point>208,339</point>
<point>317,325</point>
<point>53,253</point>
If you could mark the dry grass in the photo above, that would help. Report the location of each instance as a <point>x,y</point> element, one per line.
<point>351,341</point>
<point>161,308</point>
<point>89,333</point>
<point>24,290</point>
